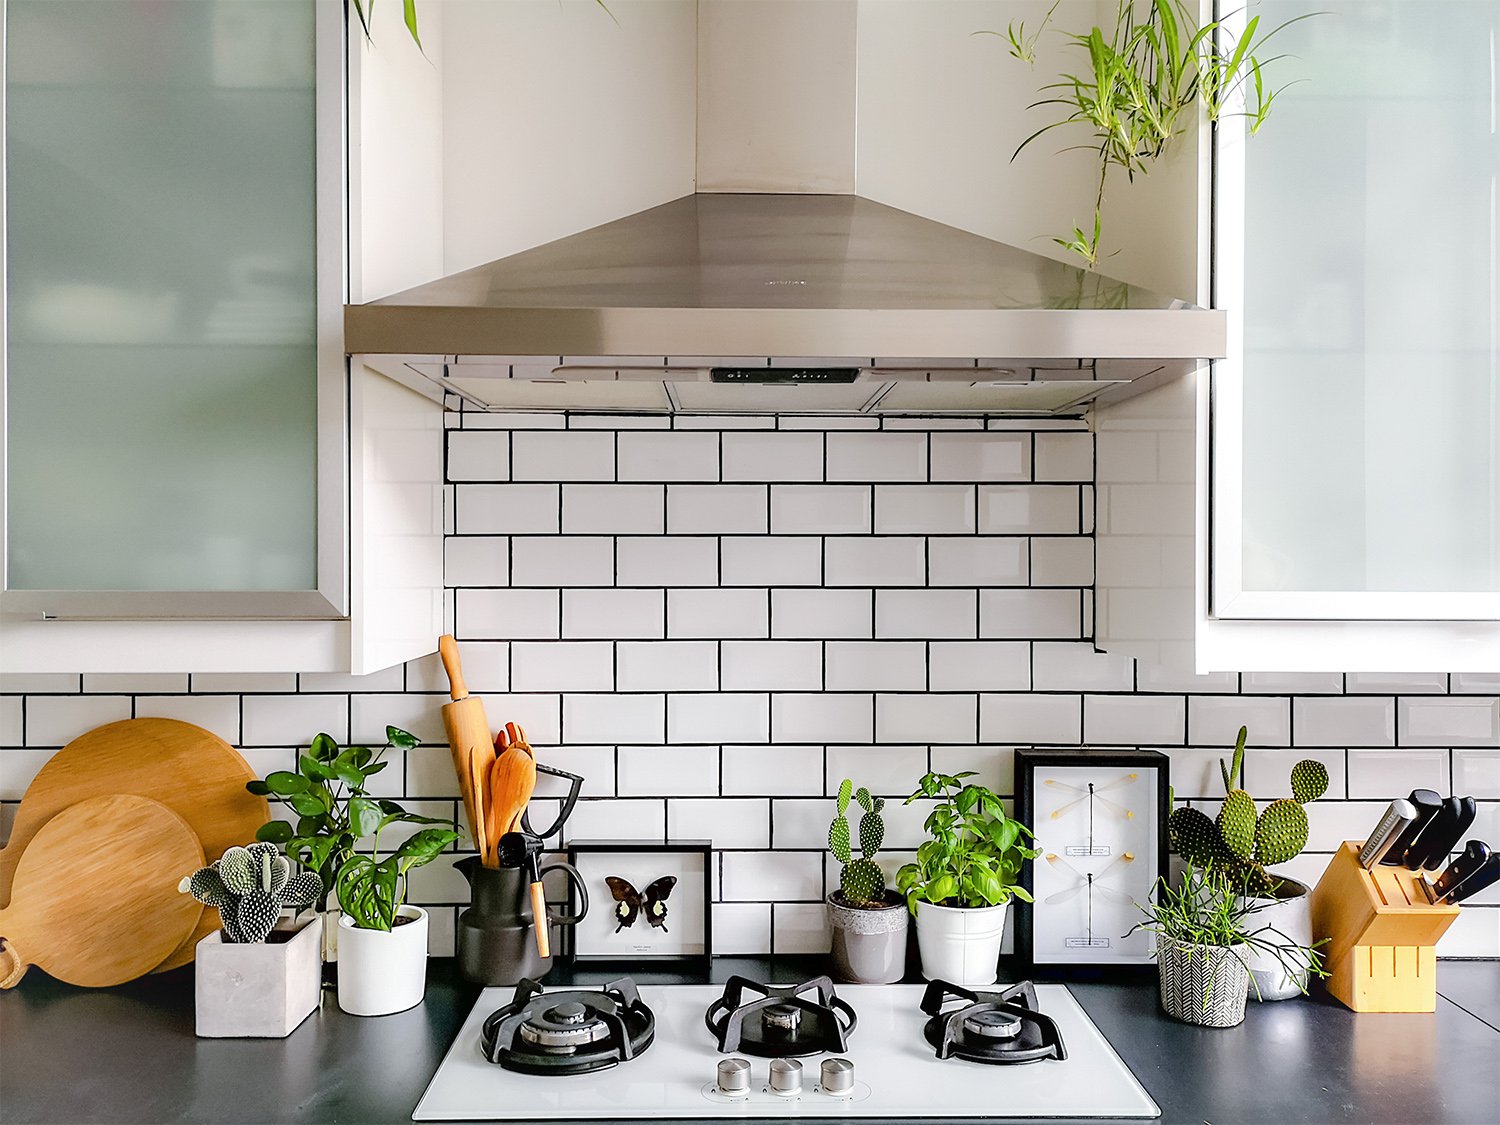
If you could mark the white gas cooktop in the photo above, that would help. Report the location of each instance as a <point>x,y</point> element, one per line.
<point>897,1073</point>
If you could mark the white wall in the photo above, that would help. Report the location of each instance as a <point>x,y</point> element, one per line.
<point>557,118</point>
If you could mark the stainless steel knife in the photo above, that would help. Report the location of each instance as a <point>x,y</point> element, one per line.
<point>1427,803</point>
<point>1475,855</point>
<point>1400,814</point>
<point>1442,834</point>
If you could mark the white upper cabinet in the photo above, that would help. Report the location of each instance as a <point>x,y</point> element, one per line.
<point>178,426</point>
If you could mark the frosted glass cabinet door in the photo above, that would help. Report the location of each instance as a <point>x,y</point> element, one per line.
<point>162,306</point>
<point>1357,436</point>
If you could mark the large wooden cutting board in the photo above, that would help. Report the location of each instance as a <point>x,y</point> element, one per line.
<point>192,771</point>
<point>95,899</point>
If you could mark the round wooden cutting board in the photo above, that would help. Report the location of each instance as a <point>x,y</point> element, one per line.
<point>94,901</point>
<point>192,771</point>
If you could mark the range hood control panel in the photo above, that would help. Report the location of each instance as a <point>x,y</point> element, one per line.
<point>746,375</point>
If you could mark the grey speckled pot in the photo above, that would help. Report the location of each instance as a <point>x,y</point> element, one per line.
<point>869,945</point>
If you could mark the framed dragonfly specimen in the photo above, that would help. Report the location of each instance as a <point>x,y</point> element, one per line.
<point>1100,820</point>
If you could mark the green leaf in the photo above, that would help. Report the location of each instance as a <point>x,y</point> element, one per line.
<point>942,888</point>
<point>400,739</point>
<point>324,748</point>
<point>307,804</point>
<point>284,783</point>
<point>313,770</point>
<point>846,788</point>
<point>274,832</point>
<point>364,816</point>
<point>409,14</point>
<point>425,846</point>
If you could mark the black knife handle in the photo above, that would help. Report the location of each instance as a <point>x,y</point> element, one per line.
<point>1441,835</point>
<point>1474,856</point>
<point>1428,803</point>
<point>1476,882</point>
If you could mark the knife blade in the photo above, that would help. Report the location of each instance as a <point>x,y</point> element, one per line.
<point>1442,834</point>
<point>1475,855</point>
<point>1428,803</point>
<point>1476,882</point>
<point>1400,813</point>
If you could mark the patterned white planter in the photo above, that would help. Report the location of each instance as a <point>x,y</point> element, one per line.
<point>1202,984</point>
<point>261,990</point>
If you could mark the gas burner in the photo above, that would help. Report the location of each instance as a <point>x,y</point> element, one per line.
<point>780,1025</point>
<point>990,1027</point>
<point>568,1032</point>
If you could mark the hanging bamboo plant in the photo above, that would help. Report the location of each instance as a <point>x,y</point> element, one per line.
<point>1143,85</point>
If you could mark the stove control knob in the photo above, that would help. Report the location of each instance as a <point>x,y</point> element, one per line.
<point>837,1077</point>
<point>734,1078</point>
<point>786,1077</point>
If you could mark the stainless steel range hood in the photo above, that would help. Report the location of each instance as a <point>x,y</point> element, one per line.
<point>744,302</point>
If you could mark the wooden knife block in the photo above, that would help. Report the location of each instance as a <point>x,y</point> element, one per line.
<point>1382,935</point>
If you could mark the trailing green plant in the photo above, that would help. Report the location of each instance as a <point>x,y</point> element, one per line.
<point>862,882</point>
<point>249,887</point>
<point>335,813</point>
<point>975,852</point>
<point>1142,85</point>
<point>1204,912</point>
<point>1240,842</point>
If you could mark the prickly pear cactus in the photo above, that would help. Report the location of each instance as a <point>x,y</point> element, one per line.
<point>1239,840</point>
<point>861,881</point>
<point>249,887</point>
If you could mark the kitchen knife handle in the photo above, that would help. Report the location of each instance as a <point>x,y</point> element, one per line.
<point>1400,814</point>
<point>1445,831</point>
<point>1474,856</point>
<point>1427,804</point>
<point>1476,882</point>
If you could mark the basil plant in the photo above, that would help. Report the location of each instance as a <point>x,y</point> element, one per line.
<point>975,852</point>
<point>336,815</point>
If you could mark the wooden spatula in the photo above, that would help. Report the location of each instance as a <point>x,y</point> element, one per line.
<point>468,740</point>
<point>512,781</point>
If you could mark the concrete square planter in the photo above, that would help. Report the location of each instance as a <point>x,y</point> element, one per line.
<point>258,991</point>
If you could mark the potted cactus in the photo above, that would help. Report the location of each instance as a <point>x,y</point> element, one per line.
<point>962,881</point>
<point>868,921</point>
<point>1243,844</point>
<point>256,977</point>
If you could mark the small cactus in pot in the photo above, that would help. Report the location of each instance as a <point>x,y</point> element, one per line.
<point>868,923</point>
<point>249,887</point>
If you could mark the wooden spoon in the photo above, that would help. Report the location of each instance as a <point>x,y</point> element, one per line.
<point>512,781</point>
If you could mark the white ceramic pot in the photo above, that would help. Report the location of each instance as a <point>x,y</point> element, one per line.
<point>960,944</point>
<point>382,972</point>
<point>1285,922</point>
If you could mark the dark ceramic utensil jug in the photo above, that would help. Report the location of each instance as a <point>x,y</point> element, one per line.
<point>496,944</point>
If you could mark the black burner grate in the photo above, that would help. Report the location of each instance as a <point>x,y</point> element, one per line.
<point>978,1030</point>
<point>568,1032</point>
<point>781,1024</point>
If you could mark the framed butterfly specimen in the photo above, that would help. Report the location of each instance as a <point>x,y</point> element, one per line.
<point>1100,820</point>
<point>658,899</point>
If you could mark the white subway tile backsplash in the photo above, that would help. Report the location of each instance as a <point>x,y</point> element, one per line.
<point>11,725</point>
<point>773,770</point>
<point>567,456</point>
<point>613,614</point>
<point>613,509</point>
<point>672,560</point>
<point>798,928</point>
<point>666,771</point>
<point>1461,683</point>
<point>822,613</point>
<point>927,718</point>
<point>800,824</point>
<point>779,876</point>
<point>875,665</point>
<point>825,717</point>
<point>486,668</point>
<point>1062,561</point>
<point>1449,721</point>
<point>40,683</point>
<point>940,509</point>
<point>1030,613</point>
<point>1077,666</point>
<point>618,819</point>
<point>508,614</point>
<point>666,666</point>
<point>833,509</point>
<point>540,714</point>
<point>723,509</point>
<point>886,771</point>
<point>562,666</point>
<point>771,666</point>
<point>726,821</point>
<point>1268,773</point>
<point>134,683</point>
<point>476,560</point>
<point>773,456</point>
<point>1064,456</point>
<point>742,928</point>
<point>1024,720</point>
<point>886,561</point>
<point>478,455</point>
<point>988,456</point>
<point>979,665</point>
<point>669,456</point>
<point>1028,509</point>
<point>1395,683</point>
<point>420,715</point>
<point>925,614</point>
<point>217,713</point>
<point>560,560</point>
<point>506,509</point>
<point>718,718</point>
<point>1134,720</point>
<point>638,719</point>
<point>1384,775</point>
<point>1217,721</point>
<point>286,720</point>
<point>877,457</point>
<point>981,561</point>
<point>771,560</point>
<point>1299,683</point>
<point>1477,773</point>
<point>1344,722</point>
<point>18,768</point>
<point>717,613</point>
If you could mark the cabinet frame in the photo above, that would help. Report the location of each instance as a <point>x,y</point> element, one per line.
<point>330,599</point>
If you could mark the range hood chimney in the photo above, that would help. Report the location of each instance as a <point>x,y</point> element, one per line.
<point>776,287</point>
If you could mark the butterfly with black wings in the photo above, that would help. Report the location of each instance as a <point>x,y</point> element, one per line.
<point>630,903</point>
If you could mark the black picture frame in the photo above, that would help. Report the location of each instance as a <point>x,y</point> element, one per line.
<point>601,900</point>
<point>1027,763</point>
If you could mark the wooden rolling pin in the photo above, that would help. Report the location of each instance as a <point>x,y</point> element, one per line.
<point>468,742</point>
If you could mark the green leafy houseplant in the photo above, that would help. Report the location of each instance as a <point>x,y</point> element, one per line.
<point>1142,85</point>
<point>975,852</point>
<point>335,812</point>
<point>861,881</point>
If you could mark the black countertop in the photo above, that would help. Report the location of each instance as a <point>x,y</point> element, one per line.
<point>129,1054</point>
